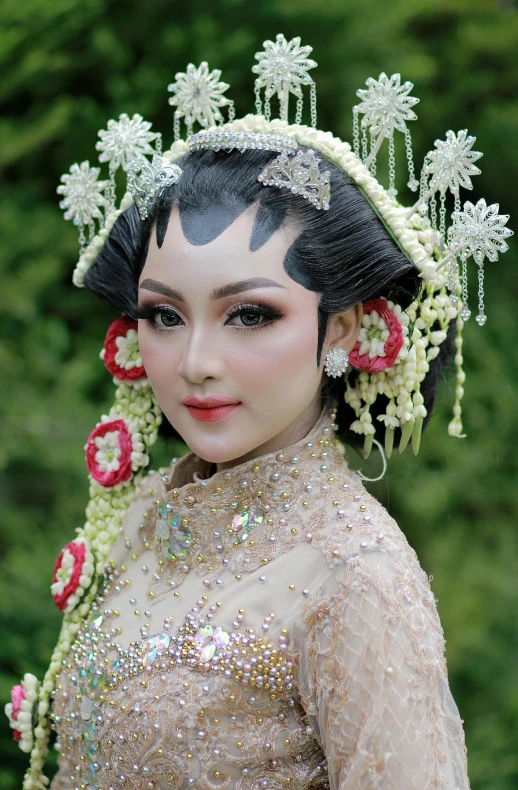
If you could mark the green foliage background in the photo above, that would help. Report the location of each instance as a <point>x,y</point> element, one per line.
<point>69,65</point>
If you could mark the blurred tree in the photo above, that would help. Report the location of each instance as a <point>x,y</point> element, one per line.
<point>69,65</point>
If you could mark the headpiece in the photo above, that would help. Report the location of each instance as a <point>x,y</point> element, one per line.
<point>395,345</point>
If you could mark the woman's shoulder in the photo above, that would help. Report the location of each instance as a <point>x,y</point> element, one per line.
<point>355,523</point>
<point>368,555</point>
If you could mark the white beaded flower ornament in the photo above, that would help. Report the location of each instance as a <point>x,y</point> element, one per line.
<point>395,346</point>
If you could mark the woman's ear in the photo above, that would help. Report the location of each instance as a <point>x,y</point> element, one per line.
<point>344,328</point>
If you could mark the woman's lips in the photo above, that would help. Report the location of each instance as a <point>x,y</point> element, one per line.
<point>212,415</point>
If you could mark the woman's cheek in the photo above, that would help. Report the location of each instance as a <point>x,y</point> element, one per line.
<point>155,352</point>
<point>280,357</point>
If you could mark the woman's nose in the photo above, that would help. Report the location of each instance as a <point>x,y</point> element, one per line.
<point>200,357</point>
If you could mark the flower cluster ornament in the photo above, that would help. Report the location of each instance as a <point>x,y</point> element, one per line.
<point>198,96</point>
<point>478,231</point>
<point>126,141</point>
<point>386,106</point>
<point>21,711</point>
<point>282,69</point>
<point>381,336</point>
<point>121,353</point>
<point>90,202</point>
<point>73,573</point>
<point>83,197</point>
<point>451,165</point>
<point>448,167</point>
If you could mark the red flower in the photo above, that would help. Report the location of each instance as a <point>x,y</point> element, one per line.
<point>120,353</point>
<point>380,342</point>
<point>108,453</point>
<point>73,573</point>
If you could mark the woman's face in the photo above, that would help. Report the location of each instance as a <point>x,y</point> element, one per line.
<point>224,322</point>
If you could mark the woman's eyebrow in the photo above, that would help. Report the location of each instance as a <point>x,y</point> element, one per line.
<point>218,293</point>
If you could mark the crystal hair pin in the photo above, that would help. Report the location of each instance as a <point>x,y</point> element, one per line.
<point>148,180</point>
<point>301,175</point>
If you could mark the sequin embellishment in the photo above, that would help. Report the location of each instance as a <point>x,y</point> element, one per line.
<point>243,523</point>
<point>208,639</point>
<point>173,535</point>
<point>155,646</point>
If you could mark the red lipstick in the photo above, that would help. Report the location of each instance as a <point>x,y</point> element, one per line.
<point>211,409</point>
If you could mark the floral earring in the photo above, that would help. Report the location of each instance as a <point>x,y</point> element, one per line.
<point>337,362</point>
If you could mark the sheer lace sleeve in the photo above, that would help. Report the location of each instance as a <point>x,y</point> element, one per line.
<point>373,677</point>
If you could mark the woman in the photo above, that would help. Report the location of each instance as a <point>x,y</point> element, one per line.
<point>255,619</point>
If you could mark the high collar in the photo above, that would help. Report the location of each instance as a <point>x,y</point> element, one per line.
<point>190,481</point>
<point>241,518</point>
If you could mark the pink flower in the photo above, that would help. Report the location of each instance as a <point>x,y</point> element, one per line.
<point>121,353</point>
<point>73,572</point>
<point>17,697</point>
<point>21,711</point>
<point>108,453</point>
<point>380,339</point>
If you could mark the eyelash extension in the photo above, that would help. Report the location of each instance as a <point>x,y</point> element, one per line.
<point>256,307</point>
<point>148,314</point>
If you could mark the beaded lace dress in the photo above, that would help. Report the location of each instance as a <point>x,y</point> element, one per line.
<point>267,627</point>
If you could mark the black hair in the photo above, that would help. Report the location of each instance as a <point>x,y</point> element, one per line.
<point>344,254</point>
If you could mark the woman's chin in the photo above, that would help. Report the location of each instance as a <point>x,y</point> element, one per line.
<point>217,454</point>
<point>222,449</point>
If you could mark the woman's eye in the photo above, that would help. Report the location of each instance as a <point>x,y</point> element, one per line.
<point>250,317</point>
<point>166,319</point>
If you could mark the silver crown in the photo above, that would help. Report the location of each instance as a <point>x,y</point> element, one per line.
<point>301,175</point>
<point>282,73</point>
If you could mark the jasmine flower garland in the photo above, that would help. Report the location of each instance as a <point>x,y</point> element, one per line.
<point>106,510</point>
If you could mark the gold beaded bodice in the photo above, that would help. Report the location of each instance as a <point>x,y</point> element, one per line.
<point>268,627</point>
